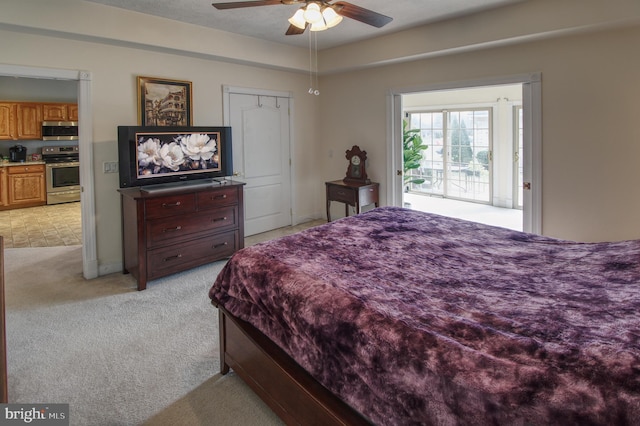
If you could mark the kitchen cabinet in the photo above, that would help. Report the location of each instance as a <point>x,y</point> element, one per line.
<point>7,121</point>
<point>59,112</point>
<point>54,112</point>
<point>3,186</point>
<point>25,185</point>
<point>73,112</point>
<point>23,120</point>
<point>29,120</point>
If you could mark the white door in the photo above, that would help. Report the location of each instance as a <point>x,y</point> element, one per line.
<point>260,132</point>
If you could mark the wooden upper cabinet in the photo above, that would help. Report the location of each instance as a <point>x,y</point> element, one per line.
<point>59,112</point>
<point>7,121</point>
<point>23,120</point>
<point>73,112</point>
<point>55,112</point>
<point>29,120</point>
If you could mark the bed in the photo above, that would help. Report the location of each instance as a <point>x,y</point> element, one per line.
<point>398,317</point>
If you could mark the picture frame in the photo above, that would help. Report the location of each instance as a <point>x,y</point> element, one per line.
<point>164,102</point>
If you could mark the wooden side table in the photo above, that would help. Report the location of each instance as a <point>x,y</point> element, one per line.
<point>351,194</point>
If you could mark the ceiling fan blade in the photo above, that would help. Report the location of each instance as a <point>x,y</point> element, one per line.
<point>293,30</point>
<point>238,4</point>
<point>361,14</point>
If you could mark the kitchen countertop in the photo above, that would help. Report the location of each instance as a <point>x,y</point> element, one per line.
<point>16,163</point>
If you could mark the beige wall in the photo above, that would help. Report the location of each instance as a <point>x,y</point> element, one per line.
<point>114,70</point>
<point>590,110</point>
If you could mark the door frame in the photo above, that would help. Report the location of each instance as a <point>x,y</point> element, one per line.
<point>227,90</point>
<point>532,138</point>
<point>85,144</point>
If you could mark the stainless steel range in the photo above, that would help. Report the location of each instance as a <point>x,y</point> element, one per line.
<point>62,173</point>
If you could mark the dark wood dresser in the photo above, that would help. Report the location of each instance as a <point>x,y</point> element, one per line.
<point>177,228</point>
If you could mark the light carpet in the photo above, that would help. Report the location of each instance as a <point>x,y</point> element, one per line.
<point>116,355</point>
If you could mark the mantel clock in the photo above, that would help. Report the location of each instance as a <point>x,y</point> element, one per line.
<point>356,171</point>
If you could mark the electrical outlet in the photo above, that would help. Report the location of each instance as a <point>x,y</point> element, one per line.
<point>110,167</point>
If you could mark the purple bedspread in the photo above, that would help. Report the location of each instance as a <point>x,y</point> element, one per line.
<point>414,318</point>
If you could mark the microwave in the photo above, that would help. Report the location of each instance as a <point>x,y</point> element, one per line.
<point>59,130</point>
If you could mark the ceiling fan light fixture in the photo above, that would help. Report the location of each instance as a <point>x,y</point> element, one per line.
<point>319,26</point>
<point>297,20</point>
<point>331,18</point>
<point>312,13</point>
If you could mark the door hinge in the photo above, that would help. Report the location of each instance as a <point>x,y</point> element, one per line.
<point>526,185</point>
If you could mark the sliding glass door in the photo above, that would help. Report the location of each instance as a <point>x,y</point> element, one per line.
<point>457,161</point>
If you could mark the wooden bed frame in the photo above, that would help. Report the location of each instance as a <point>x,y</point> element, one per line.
<point>295,396</point>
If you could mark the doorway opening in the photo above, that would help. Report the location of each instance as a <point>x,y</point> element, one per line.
<point>470,163</point>
<point>85,143</point>
<point>483,149</point>
<point>58,221</point>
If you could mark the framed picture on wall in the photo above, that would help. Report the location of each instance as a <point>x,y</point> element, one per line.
<point>163,102</point>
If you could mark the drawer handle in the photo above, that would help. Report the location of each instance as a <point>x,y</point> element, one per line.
<point>341,193</point>
<point>177,228</point>
<point>220,245</point>
<point>176,204</point>
<point>218,197</point>
<point>219,219</point>
<point>170,258</point>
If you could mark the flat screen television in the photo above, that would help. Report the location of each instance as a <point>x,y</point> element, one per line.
<point>151,155</point>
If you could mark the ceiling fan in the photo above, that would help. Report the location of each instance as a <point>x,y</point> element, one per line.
<point>316,14</point>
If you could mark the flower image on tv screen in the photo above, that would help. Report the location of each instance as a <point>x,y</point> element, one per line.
<point>170,153</point>
<point>151,155</point>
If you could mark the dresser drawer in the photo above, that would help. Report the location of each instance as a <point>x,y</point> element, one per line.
<point>32,168</point>
<point>219,197</point>
<point>170,205</point>
<point>163,230</point>
<point>343,195</point>
<point>369,195</point>
<point>191,253</point>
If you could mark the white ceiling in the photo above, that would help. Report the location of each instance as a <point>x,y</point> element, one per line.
<point>270,22</point>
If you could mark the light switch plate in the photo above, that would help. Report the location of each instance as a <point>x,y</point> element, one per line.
<point>110,167</point>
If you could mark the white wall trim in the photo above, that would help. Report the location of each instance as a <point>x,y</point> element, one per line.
<point>394,161</point>
<point>532,166</point>
<point>87,203</point>
<point>532,107</point>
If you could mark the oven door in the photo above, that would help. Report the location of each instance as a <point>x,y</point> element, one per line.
<point>63,182</point>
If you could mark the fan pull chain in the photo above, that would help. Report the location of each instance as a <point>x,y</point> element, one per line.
<point>313,67</point>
